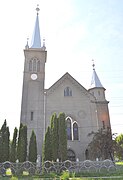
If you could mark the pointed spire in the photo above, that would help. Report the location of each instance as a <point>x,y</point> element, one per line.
<point>36,40</point>
<point>95,82</point>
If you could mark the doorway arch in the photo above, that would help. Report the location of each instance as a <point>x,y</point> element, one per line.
<point>71,155</point>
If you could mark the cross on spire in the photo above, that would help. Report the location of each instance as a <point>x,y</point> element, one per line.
<point>37,9</point>
<point>93,64</point>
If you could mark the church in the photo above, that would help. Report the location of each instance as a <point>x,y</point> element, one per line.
<point>86,110</point>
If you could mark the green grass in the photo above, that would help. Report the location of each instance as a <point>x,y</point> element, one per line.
<point>114,175</point>
<point>80,178</point>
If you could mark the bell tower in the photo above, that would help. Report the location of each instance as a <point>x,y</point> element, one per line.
<point>102,110</point>
<point>32,105</point>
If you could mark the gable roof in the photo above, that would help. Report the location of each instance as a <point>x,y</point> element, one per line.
<point>63,78</point>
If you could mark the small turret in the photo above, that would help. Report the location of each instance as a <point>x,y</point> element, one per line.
<point>96,87</point>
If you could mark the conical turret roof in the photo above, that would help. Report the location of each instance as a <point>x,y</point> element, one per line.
<point>95,82</point>
<point>36,39</point>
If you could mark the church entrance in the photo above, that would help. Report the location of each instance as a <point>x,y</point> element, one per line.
<point>71,155</point>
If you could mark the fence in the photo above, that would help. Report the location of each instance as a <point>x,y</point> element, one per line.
<point>48,166</point>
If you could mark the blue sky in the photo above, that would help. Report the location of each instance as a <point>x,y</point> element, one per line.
<point>75,31</point>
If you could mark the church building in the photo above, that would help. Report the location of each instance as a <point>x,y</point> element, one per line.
<point>86,110</point>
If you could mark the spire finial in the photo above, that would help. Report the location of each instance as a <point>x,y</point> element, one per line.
<point>44,47</point>
<point>27,45</point>
<point>93,64</point>
<point>37,9</point>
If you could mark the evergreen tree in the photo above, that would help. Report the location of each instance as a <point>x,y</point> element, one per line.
<point>54,136</point>
<point>62,137</point>
<point>13,150</point>
<point>4,142</point>
<point>22,143</point>
<point>47,147</point>
<point>1,146</point>
<point>25,142</point>
<point>55,143</point>
<point>33,148</point>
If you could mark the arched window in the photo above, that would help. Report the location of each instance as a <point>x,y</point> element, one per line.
<point>34,65</point>
<point>67,91</point>
<point>75,131</point>
<point>69,134</point>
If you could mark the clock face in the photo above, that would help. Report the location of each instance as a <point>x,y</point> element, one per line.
<point>34,76</point>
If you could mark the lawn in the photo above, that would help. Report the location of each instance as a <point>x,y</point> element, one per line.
<point>113,175</point>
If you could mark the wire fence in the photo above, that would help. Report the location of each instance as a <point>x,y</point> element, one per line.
<point>30,168</point>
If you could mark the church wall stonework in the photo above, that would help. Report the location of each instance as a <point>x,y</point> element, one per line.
<point>86,108</point>
<point>79,108</point>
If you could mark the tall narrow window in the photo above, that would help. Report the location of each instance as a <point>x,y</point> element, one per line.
<point>75,132</point>
<point>67,91</point>
<point>32,114</point>
<point>69,134</point>
<point>38,66</point>
<point>34,65</point>
<point>103,124</point>
<point>30,65</point>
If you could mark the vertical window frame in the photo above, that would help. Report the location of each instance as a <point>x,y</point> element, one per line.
<point>75,133</point>
<point>32,115</point>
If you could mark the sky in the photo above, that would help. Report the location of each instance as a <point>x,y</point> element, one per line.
<point>75,32</point>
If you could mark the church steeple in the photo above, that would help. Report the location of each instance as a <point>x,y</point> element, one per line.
<point>36,39</point>
<point>32,107</point>
<point>95,82</point>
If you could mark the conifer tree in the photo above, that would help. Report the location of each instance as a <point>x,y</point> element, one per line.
<point>55,143</point>
<point>1,146</point>
<point>22,143</point>
<point>54,136</point>
<point>33,148</point>
<point>62,137</point>
<point>13,150</point>
<point>47,146</point>
<point>4,142</point>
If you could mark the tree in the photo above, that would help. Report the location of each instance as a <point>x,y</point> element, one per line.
<point>119,150</point>
<point>47,146</point>
<point>102,145</point>
<point>4,142</point>
<point>22,143</point>
<point>55,142</point>
<point>33,148</point>
<point>54,136</point>
<point>62,129</point>
<point>13,149</point>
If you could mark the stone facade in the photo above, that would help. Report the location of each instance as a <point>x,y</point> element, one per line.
<point>85,110</point>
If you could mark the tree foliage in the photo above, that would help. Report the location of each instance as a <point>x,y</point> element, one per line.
<point>33,148</point>
<point>47,146</point>
<point>62,137</point>
<point>119,150</point>
<point>102,145</point>
<point>13,147</point>
<point>55,142</point>
<point>4,142</point>
<point>22,143</point>
<point>54,136</point>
